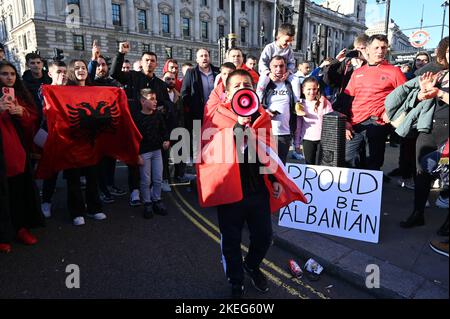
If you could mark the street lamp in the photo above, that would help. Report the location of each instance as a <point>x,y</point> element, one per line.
<point>388,8</point>
<point>444,5</point>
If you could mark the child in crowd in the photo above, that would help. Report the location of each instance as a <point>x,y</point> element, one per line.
<point>155,136</point>
<point>309,126</point>
<point>281,46</point>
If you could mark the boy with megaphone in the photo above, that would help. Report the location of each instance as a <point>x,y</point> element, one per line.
<point>238,184</point>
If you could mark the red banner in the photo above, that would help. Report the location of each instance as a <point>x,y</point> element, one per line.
<point>84,125</point>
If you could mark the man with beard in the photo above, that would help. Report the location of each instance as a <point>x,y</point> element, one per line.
<point>99,74</point>
<point>135,82</point>
<point>198,84</point>
<point>179,175</point>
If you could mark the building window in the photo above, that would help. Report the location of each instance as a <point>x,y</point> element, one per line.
<point>78,42</point>
<point>188,54</point>
<point>186,26</point>
<point>204,30</point>
<point>168,51</point>
<point>343,36</point>
<point>145,47</point>
<point>243,34</point>
<point>165,24</point>
<point>205,3</point>
<point>221,5</point>
<point>11,22</point>
<point>24,8</point>
<point>242,6</point>
<point>221,30</point>
<point>116,16</point>
<point>142,19</point>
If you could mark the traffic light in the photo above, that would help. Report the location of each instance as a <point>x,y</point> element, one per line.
<point>58,54</point>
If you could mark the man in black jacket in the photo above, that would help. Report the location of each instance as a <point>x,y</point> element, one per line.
<point>198,84</point>
<point>338,73</point>
<point>135,82</point>
<point>34,77</point>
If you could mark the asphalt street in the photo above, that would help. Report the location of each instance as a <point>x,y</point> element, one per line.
<point>126,256</point>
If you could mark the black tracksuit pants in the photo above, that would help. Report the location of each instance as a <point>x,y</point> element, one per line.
<point>254,210</point>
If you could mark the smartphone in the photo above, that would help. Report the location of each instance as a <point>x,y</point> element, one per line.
<point>275,113</point>
<point>353,54</point>
<point>8,94</point>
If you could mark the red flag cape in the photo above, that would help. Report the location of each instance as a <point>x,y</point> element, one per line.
<point>218,175</point>
<point>84,125</point>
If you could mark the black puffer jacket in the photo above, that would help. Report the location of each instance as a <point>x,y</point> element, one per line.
<point>136,81</point>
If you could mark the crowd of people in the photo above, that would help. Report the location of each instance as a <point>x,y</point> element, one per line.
<point>378,99</point>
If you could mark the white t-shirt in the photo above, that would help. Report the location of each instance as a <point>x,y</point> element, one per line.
<point>280,101</point>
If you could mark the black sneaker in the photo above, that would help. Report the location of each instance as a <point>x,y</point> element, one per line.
<point>159,208</point>
<point>259,281</point>
<point>148,211</point>
<point>106,199</point>
<point>113,190</point>
<point>395,172</point>
<point>237,291</point>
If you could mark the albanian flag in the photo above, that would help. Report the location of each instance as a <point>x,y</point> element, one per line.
<point>84,125</point>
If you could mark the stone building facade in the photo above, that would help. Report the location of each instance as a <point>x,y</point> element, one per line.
<point>170,28</point>
<point>398,41</point>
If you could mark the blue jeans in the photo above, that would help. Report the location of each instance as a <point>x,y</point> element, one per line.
<point>367,133</point>
<point>151,176</point>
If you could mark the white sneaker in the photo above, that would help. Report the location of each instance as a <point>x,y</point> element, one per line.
<point>78,221</point>
<point>436,184</point>
<point>97,216</point>
<point>46,209</point>
<point>135,199</point>
<point>406,183</point>
<point>442,202</point>
<point>165,187</point>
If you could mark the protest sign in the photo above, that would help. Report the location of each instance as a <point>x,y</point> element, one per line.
<point>340,201</point>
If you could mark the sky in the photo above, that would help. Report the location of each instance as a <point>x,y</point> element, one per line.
<point>407,14</point>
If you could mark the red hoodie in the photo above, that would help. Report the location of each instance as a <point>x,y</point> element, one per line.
<point>178,82</point>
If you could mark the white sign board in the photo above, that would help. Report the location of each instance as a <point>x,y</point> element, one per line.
<point>341,202</point>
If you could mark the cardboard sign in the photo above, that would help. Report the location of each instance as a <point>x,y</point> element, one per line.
<point>342,202</point>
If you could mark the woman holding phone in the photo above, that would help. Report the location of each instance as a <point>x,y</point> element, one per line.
<point>19,200</point>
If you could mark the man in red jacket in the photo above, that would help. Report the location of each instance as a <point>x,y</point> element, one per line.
<point>240,191</point>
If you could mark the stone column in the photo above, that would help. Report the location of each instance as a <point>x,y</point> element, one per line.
<point>100,18</point>
<point>155,10</point>
<point>196,21</point>
<point>177,19</point>
<point>213,35</point>
<point>237,16</point>
<point>39,11</point>
<point>131,16</point>
<point>108,14</point>
<point>85,13</point>
<point>51,10</point>
<point>255,25</point>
